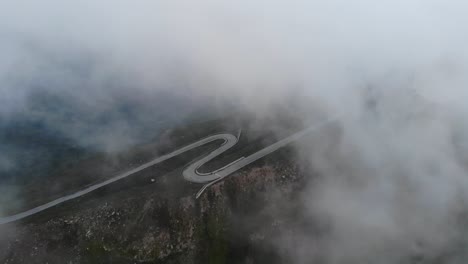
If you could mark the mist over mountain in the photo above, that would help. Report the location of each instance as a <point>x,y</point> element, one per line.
<point>388,184</point>
<point>54,130</point>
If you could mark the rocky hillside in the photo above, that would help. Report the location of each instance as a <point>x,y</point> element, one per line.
<point>235,221</point>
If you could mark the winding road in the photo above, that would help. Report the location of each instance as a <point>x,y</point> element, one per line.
<point>190,173</point>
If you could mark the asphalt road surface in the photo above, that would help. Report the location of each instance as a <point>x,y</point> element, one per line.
<point>191,172</point>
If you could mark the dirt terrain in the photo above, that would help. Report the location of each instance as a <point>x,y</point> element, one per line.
<point>153,216</point>
<point>149,224</point>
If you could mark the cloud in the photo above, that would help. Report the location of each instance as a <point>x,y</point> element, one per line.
<point>395,71</point>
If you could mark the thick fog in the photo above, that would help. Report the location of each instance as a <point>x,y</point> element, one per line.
<point>394,71</point>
